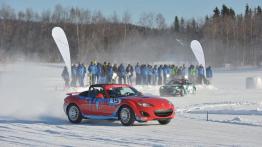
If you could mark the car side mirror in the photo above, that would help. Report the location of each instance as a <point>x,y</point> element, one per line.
<point>140,93</point>
<point>100,95</point>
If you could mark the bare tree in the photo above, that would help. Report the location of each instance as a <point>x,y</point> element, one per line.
<point>160,21</point>
<point>146,20</point>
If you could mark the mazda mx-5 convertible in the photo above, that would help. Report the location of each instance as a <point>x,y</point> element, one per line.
<point>117,102</point>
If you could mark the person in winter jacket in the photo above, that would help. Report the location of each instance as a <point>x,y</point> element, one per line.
<point>165,73</point>
<point>160,73</point>
<point>115,73</point>
<point>109,73</point>
<point>65,76</point>
<point>99,72</point>
<point>144,71</point>
<point>150,74</point>
<point>92,69</point>
<point>121,74</point>
<point>183,71</point>
<point>174,71</point>
<point>192,73</point>
<point>155,75</point>
<point>74,75</point>
<point>209,74</point>
<point>103,76</point>
<point>138,74</point>
<point>201,74</point>
<point>81,71</point>
<point>129,73</point>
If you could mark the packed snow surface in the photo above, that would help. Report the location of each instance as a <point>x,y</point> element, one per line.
<point>32,114</point>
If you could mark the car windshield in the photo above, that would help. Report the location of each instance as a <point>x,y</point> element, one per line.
<point>174,82</point>
<point>123,92</point>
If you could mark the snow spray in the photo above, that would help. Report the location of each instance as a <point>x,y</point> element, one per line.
<point>62,44</point>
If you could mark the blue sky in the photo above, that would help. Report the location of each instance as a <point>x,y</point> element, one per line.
<point>169,8</point>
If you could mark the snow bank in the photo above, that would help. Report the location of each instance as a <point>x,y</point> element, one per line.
<point>253,83</point>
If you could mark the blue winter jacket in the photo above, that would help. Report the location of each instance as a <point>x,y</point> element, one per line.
<point>201,71</point>
<point>159,71</point>
<point>144,71</point>
<point>138,70</point>
<point>209,72</point>
<point>155,72</point>
<point>92,69</point>
<point>121,71</point>
<point>150,71</point>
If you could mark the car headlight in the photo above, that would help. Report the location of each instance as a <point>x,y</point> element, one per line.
<point>144,104</point>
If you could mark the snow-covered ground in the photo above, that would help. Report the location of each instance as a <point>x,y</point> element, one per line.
<point>31,114</point>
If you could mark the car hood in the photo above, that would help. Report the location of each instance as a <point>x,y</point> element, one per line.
<point>148,99</point>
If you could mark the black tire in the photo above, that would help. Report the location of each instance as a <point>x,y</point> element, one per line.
<point>74,114</point>
<point>164,121</point>
<point>126,116</point>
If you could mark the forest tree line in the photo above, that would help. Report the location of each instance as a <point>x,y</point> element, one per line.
<point>226,37</point>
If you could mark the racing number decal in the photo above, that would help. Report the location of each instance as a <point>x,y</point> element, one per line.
<point>114,101</point>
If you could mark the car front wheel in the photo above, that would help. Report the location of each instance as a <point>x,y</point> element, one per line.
<point>164,121</point>
<point>127,116</point>
<point>74,114</point>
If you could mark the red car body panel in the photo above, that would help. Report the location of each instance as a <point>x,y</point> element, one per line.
<point>107,108</point>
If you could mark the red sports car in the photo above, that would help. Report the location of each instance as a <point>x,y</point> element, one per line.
<point>118,102</point>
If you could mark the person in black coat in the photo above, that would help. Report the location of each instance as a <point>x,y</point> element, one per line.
<point>65,76</point>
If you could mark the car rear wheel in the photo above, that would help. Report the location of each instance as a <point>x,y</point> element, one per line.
<point>164,121</point>
<point>74,114</point>
<point>127,116</point>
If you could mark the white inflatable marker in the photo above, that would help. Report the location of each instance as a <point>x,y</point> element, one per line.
<point>198,52</point>
<point>62,44</point>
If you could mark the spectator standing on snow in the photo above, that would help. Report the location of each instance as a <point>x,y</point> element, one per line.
<point>121,74</point>
<point>138,74</point>
<point>201,74</point>
<point>144,72</point>
<point>103,78</point>
<point>74,75</point>
<point>160,71</point>
<point>155,75</point>
<point>174,71</point>
<point>209,74</point>
<point>192,74</point>
<point>129,73</point>
<point>81,71</point>
<point>183,71</point>
<point>109,73</point>
<point>115,73</point>
<point>165,72</point>
<point>65,76</point>
<point>98,73</point>
<point>92,69</point>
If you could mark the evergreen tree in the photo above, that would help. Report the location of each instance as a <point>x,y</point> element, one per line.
<point>247,10</point>
<point>176,24</point>
<point>232,12</point>
<point>216,13</point>
<point>259,11</point>
<point>182,24</point>
<point>224,11</point>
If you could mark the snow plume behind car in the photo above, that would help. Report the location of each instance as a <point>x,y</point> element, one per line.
<point>25,93</point>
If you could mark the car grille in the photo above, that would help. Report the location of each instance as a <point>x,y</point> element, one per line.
<point>163,113</point>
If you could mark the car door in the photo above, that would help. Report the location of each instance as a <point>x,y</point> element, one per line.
<point>112,103</point>
<point>97,104</point>
<point>85,102</point>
